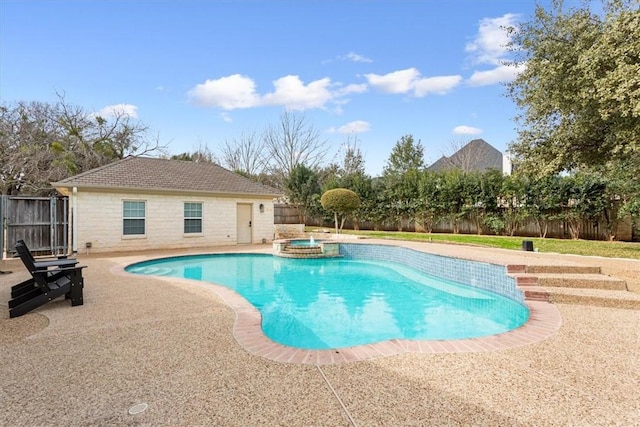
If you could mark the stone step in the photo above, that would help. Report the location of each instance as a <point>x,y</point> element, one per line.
<point>307,255</point>
<point>302,250</point>
<point>595,297</point>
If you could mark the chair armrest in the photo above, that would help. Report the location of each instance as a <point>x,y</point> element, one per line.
<point>59,269</point>
<point>54,263</point>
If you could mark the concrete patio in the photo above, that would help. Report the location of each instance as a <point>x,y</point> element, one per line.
<point>170,345</point>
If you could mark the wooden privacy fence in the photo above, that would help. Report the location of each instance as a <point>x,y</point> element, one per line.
<point>590,230</point>
<point>42,222</point>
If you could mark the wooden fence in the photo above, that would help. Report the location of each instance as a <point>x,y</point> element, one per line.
<point>42,222</point>
<point>590,230</point>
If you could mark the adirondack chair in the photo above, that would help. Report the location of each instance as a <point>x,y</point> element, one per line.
<point>58,260</point>
<point>50,279</point>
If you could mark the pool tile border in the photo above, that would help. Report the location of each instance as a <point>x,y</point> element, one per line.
<point>544,321</point>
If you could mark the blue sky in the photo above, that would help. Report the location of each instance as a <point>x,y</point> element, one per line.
<point>202,72</point>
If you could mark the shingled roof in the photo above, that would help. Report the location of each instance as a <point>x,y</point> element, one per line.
<point>145,173</point>
<point>477,155</point>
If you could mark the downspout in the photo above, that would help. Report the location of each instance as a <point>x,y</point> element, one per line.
<point>74,220</point>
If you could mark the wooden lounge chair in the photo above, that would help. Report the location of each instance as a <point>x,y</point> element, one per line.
<point>62,260</point>
<point>50,279</point>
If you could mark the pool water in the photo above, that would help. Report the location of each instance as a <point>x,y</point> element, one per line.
<point>341,302</point>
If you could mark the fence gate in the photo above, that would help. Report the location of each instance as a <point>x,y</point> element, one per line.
<point>42,222</point>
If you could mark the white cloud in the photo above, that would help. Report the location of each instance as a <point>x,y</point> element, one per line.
<point>229,93</point>
<point>351,56</point>
<point>118,110</point>
<point>355,57</point>
<point>292,93</point>
<point>396,82</point>
<point>236,91</point>
<point>409,80</point>
<point>439,85</point>
<point>500,74</point>
<point>466,130</point>
<point>226,117</point>
<point>352,88</point>
<point>357,126</point>
<point>490,44</point>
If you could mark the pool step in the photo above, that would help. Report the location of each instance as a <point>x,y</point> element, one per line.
<point>595,297</point>
<point>580,281</point>
<point>553,269</point>
<point>572,284</point>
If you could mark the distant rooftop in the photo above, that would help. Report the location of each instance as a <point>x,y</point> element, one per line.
<point>477,155</point>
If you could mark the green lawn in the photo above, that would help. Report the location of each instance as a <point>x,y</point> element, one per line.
<point>577,247</point>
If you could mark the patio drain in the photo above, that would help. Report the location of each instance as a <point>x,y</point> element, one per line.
<point>137,409</point>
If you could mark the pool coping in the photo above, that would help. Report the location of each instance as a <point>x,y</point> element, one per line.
<point>544,321</point>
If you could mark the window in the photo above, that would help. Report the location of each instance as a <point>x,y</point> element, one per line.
<point>192,217</point>
<point>133,218</point>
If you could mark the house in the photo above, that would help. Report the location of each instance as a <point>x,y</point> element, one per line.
<point>477,155</point>
<point>140,203</point>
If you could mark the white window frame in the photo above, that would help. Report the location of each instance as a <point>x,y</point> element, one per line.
<point>192,218</point>
<point>126,218</point>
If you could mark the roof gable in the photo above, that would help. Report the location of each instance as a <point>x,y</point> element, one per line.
<point>145,173</point>
<point>477,155</point>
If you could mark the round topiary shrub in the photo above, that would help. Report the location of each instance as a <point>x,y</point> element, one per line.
<point>341,202</point>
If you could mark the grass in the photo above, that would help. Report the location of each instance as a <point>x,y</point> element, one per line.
<point>576,247</point>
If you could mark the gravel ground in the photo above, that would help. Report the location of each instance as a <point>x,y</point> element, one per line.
<point>170,346</point>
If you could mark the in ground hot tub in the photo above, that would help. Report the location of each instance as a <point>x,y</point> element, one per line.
<point>306,248</point>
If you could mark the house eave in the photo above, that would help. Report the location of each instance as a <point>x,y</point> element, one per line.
<point>66,190</point>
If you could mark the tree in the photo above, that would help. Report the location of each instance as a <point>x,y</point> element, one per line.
<point>482,191</point>
<point>42,142</point>
<point>292,142</point>
<point>580,89</point>
<point>350,174</point>
<point>512,199</point>
<point>407,154</point>
<point>341,202</point>
<point>245,154</point>
<point>584,198</point>
<point>543,200</point>
<point>301,186</point>
<point>401,178</point>
<point>451,196</point>
<point>202,154</point>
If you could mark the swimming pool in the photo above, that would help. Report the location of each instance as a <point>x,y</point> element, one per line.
<point>344,302</point>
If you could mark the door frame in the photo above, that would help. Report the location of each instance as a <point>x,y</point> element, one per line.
<point>239,231</point>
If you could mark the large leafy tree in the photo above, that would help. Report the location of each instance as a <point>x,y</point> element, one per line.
<point>401,179</point>
<point>405,155</point>
<point>580,89</point>
<point>44,142</point>
<point>302,188</point>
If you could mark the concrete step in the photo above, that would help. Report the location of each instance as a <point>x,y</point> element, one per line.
<point>586,281</point>
<point>535,293</point>
<point>553,269</point>
<point>581,281</point>
<point>562,269</point>
<point>595,297</point>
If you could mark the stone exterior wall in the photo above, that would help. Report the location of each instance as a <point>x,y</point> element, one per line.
<point>100,221</point>
<point>287,231</point>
